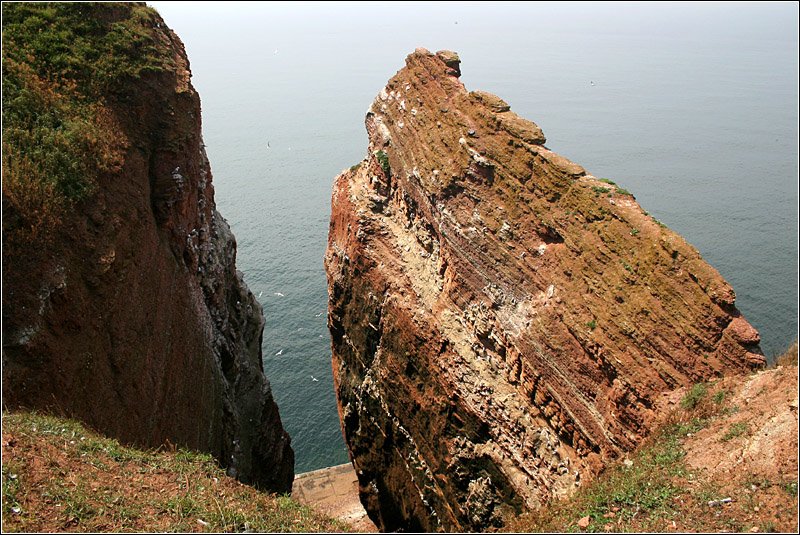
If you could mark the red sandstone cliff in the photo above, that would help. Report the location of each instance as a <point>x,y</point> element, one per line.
<point>502,322</point>
<point>131,315</point>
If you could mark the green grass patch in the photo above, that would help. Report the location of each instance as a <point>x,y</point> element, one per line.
<point>86,482</point>
<point>383,161</point>
<point>642,487</point>
<point>695,395</point>
<point>598,190</point>
<point>736,430</point>
<point>61,63</point>
<point>691,427</point>
<point>607,181</point>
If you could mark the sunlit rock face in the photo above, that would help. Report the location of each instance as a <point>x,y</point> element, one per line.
<point>502,321</point>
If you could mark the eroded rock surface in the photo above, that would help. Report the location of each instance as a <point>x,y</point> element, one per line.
<point>502,322</point>
<point>133,316</point>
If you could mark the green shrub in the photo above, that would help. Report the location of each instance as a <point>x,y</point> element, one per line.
<point>695,395</point>
<point>61,63</point>
<point>736,430</point>
<point>383,160</point>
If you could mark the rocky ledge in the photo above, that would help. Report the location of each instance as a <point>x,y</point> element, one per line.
<point>503,323</point>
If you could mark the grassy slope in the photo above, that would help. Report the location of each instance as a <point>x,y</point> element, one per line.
<point>59,476</point>
<point>657,490</point>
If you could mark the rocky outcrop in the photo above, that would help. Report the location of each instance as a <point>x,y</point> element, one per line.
<point>131,314</point>
<point>502,321</point>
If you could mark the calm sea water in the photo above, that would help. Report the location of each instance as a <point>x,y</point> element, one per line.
<point>694,109</point>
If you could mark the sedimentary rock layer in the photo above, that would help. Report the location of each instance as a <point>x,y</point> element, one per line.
<point>132,315</point>
<point>502,321</point>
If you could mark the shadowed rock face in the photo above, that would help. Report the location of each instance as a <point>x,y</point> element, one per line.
<point>502,322</point>
<point>134,318</point>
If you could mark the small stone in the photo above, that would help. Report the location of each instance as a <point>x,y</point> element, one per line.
<point>584,522</point>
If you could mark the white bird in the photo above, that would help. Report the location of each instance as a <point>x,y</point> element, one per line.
<point>279,294</point>
<point>268,145</point>
<point>276,51</point>
<point>260,293</point>
<point>591,82</point>
<point>279,353</point>
<point>314,378</point>
<point>318,315</point>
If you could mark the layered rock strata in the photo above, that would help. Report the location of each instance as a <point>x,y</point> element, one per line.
<point>502,321</point>
<point>133,317</point>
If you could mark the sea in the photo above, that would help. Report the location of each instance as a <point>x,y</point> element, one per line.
<point>693,107</point>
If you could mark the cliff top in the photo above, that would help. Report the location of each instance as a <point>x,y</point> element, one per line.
<point>62,63</point>
<point>60,476</point>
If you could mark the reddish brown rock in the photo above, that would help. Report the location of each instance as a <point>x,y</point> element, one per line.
<point>132,316</point>
<point>502,322</point>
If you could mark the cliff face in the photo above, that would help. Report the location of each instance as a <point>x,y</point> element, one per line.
<point>126,310</point>
<point>502,322</point>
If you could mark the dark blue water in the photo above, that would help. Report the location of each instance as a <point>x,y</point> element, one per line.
<point>693,109</point>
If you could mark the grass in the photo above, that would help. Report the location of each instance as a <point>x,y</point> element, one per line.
<point>592,324</point>
<point>695,396</point>
<point>383,160</point>
<point>61,64</point>
<point>655,490</point>
<point>736,430</point>
<point>57,476</point>
<point>643,489</point>
<point>618,190</point>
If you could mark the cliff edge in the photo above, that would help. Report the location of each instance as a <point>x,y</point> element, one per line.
<point>503,323</point>
<point>122,305</point>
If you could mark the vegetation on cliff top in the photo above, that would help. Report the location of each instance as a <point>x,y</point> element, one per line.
<point>61,62</point>
<point>59,476</point>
